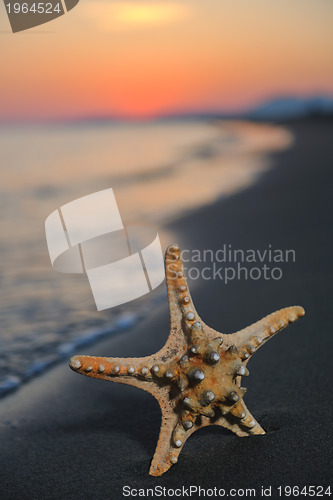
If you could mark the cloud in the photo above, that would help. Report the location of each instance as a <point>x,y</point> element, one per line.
<point>125,16</point>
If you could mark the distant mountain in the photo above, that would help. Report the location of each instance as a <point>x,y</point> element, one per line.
<point>286,108</point>
<point>277,109</point>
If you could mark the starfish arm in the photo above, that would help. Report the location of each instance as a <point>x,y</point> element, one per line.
<point>173,266</point>
<point>254,336</point>
<point>139,372</point>
<point>240,421</point>
<point>183,314</point>
<point>166,453</point>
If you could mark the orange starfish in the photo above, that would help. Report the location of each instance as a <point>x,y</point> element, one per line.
<point>196,376</point>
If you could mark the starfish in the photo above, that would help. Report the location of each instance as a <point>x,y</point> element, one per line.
<point>196,376</point>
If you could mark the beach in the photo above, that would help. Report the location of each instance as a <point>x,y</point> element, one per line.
<point>46,315</point>
<point>66,436</point>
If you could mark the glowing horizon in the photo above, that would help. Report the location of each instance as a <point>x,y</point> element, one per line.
<point>142,59</point>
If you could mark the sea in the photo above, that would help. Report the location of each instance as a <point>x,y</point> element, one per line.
<point>158,170</point>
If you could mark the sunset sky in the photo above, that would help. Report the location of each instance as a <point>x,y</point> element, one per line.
<point>139,59</point>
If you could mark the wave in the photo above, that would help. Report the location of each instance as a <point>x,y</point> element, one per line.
<point>125,321</point>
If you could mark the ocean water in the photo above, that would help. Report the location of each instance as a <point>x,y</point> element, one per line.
<point>154,168</point>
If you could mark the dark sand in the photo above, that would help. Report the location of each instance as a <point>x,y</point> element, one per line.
<point>67,436</point>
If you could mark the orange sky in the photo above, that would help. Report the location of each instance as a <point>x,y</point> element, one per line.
<point>138,58</point>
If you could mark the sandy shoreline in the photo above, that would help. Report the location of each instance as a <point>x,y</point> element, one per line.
<point>65,436</point>
<point>232,159</point>
<point>159,171</point>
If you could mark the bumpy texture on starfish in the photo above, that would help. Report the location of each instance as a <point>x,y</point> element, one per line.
<point>196,376</point>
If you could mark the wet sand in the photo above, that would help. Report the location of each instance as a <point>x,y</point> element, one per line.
<point>67,436</point>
